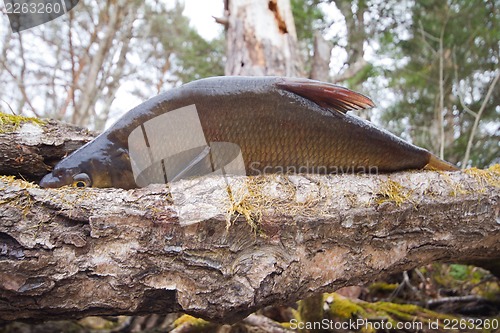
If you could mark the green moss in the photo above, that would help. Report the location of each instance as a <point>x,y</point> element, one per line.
<point>382,287</point>
<point>311,309</point>
<point>490,176</point>
<point>195,324</point>
<point>244,207</point>
<point>22,199</point>
<point>409,313</point>
<point>405,312</point>
<point>459,272</point>
<point>13,181</point>
<point>443,276</point>
<point>461,277</point>
<point>489,290</point>
<point>495,168</point>
<point>101,324</point>
<point>393,313</point>
<point>10,123</point>
<point>392,191</point>
<point>345,308</point>
<point>252,199</point>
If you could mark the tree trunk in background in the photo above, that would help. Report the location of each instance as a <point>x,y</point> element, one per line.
<point>356,37</point>
<point>103,71</point>
<point>90,69</point>
<point>320,69</point>
<point>261,38</point>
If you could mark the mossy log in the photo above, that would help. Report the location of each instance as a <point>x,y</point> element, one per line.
<point>30,147</point>
<point>220,255</point>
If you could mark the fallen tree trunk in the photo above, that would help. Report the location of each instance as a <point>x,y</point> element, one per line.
<point>198,248</point>
<point>31,149</point>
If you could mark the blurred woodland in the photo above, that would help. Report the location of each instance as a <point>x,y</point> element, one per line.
<point>431,66</point>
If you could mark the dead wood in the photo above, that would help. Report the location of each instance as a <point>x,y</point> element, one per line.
<point>31,150</point>
<point>197,248</point>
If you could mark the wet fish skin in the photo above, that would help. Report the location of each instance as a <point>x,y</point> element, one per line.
<point>280,124</point>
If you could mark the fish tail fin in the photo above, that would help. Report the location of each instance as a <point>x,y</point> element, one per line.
<point>435,163</point>
<point>327,95</point>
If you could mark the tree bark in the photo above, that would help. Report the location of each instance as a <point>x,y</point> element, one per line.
<point>69,253</point>
<point>261,39</point>
<point>320,69</point>
<point>356,37</point>
<point>32,150</point>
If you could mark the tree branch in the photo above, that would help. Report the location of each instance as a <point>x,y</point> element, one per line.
<point>76,252</point>
<point>477,117</point>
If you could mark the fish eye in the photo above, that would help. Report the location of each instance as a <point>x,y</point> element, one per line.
<point>81,180</point>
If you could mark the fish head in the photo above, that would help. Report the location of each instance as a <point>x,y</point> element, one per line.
<point>63,176</point>
<point>93,165</point>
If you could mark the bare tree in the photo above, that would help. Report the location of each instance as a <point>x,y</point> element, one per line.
<point>72,68</point>
<point>77,74</point>
<point>477,117</point>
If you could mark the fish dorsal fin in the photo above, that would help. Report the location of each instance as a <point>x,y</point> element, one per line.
<point>326,94</point>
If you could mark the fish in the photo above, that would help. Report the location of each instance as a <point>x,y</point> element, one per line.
<point>278,124</point>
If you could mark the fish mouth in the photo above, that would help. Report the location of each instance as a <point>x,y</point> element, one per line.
<point>49,181</point>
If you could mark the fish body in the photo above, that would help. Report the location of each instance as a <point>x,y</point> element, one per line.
<point>279,124</point>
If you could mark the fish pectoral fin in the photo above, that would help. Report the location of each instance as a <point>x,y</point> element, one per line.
<point>327,95</point>
<point>194,167</point>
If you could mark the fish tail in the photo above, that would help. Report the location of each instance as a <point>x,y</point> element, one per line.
<point>435,163</point>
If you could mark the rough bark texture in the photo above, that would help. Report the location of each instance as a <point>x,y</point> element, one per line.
<point>261,38</point>
<point>69,253</point>
<point>33,149</point>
